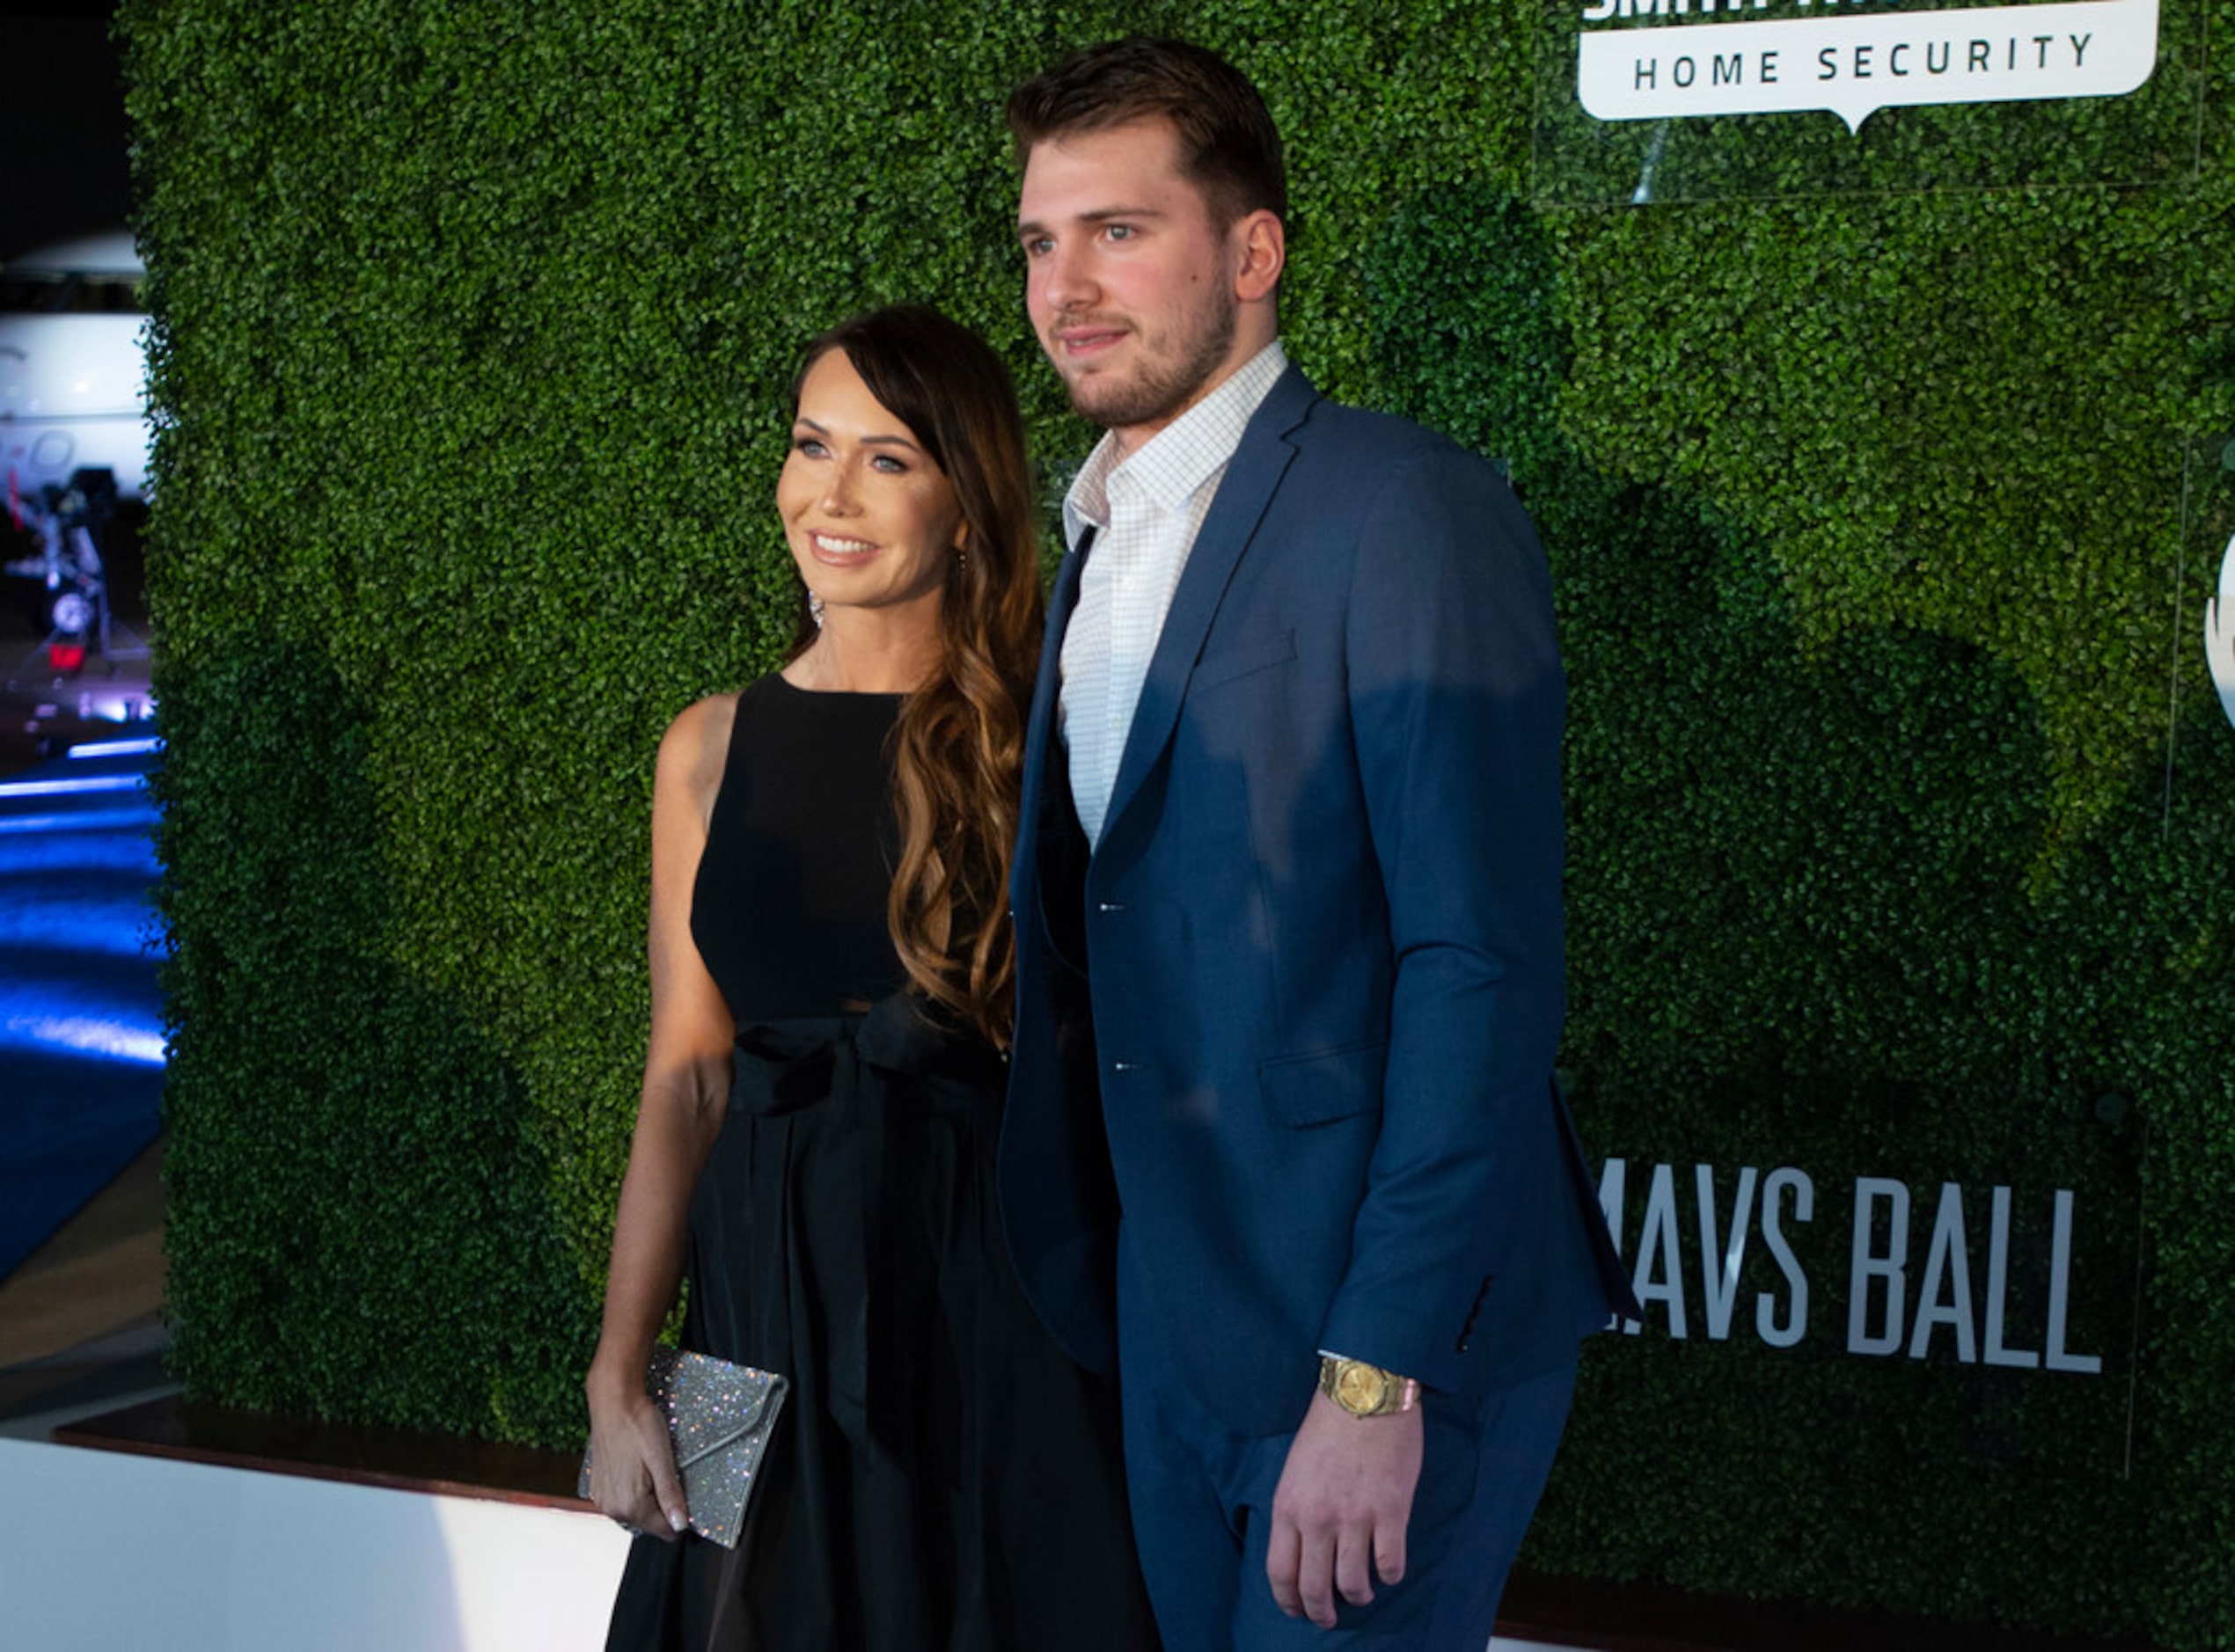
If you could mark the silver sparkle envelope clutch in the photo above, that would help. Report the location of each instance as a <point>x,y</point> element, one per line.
<point>720,1417</point>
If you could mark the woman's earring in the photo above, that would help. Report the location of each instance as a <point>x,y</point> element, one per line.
<point>815,608</point>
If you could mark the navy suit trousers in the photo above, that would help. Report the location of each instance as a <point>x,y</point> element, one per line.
<point>1202,1502</point>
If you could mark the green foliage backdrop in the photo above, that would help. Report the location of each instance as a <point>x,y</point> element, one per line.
<point>1901,811</point>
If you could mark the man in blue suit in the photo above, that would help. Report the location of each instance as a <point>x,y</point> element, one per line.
<point>1282,1142</point>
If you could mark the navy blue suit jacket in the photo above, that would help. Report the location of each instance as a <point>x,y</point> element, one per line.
<point>1297,1012</point>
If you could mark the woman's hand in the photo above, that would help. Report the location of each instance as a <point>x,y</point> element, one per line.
<point>631,1466</point>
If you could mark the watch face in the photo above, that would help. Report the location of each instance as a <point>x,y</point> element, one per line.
<point>1359,1388</point>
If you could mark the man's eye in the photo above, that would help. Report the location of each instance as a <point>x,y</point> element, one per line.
<point>1036,245</point>
<point>1118,231</point>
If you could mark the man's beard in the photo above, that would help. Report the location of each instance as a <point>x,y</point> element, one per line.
<point>1162,388</point>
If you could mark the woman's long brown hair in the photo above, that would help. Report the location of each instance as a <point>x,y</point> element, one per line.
<point>958,745</point>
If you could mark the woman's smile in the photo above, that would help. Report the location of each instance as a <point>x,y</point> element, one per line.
<point>831,548</point>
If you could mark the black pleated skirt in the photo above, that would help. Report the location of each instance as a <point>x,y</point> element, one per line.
<point>943,1478</point>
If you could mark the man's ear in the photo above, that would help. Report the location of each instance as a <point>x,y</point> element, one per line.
<point>1261,247</point>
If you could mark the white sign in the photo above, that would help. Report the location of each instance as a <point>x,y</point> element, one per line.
<point>1852,65</point>
<point>2219,633</point>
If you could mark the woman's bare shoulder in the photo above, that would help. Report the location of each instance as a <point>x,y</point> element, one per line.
<point>694,750</point>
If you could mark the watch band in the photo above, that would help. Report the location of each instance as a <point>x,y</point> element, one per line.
<point>1364,1390</point>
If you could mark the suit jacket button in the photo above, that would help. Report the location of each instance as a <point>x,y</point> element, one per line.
<point>1113,906</point>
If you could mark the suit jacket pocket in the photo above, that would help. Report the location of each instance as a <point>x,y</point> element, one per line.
<point>1324,1087</point>
<point>1259,654</point>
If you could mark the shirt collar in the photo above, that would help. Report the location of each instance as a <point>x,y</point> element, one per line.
<point>1171,464</point>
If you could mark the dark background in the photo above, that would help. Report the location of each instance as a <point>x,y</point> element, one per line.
<point>61,128</point>
<point>64,172</point>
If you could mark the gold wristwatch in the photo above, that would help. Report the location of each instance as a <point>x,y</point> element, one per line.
<point>1364,1390</point>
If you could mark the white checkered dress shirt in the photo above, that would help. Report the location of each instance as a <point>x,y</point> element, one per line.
<point>1145,512</point>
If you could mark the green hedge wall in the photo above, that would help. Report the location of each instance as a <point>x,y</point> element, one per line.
<point>1901,811</point>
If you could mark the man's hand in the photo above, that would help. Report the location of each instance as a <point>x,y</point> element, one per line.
<point>1340,1512</point>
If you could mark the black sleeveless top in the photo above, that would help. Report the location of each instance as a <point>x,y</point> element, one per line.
<point>789,911</point>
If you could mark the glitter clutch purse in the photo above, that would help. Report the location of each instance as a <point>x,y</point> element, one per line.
<point>720,1417</point>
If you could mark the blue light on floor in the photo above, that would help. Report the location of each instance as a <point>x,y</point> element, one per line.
<point>116,749</point>
<point>113,1038</point>
<point>81,1018</point>
<point>59,788</point>
<point>120,843</point>
<point>35,825</point>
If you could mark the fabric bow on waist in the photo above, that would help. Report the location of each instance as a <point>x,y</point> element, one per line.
<point>878,1209</point>
<point>795,1064</point>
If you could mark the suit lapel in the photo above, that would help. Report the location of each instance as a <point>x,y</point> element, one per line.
<point>1251,479</point>
<point>1046,820</point>
<point>1039,727</point>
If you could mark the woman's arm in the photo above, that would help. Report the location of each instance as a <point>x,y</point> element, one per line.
<point>686,1090</point>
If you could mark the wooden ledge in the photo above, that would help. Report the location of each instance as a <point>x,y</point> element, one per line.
<point>1609,1617</point>
<point>356,1454</point>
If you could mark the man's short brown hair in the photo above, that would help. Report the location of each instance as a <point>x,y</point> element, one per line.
<point>1229,147</point>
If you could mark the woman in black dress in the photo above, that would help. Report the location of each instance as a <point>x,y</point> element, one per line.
<point>830,996</point>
